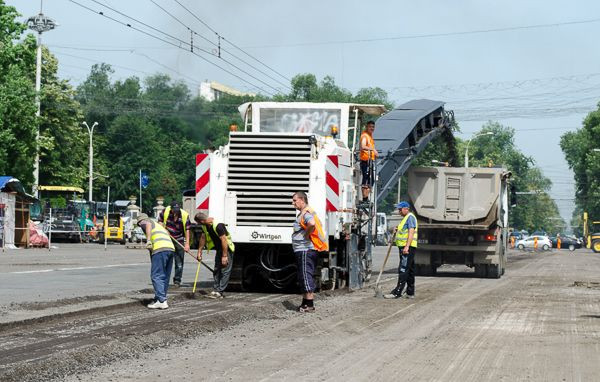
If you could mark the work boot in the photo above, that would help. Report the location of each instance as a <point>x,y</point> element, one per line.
<point>158,305</point>
<point>306,309</point>
<point>214,294</point>
<point>409,296</point>
<point>393,294</point>
<point>176,285</point>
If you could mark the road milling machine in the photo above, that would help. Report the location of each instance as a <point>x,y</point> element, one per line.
<point>313,147</point>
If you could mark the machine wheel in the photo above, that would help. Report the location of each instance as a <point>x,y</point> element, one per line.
<point>493,271</point>
<point>546,247</point>
<point>596,246</point>
<point>521,247</point>
<point>571,247</point>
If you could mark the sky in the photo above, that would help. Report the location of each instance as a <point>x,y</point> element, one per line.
<point>531,65</point>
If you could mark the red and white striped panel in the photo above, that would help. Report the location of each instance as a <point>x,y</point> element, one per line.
<point>202,181</point>
<point>332,180</point>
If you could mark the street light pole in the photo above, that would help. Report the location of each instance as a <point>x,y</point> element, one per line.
<point>91,169</point>
<point>469,142</point>
<point>40,24</point>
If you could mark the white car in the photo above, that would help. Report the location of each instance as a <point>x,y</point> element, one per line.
<point>543,242</point>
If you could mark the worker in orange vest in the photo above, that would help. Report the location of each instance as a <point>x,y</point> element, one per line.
<point>512,241</point>
<point>308,239</point>
<point>367,156</point>
<point>535,240</point>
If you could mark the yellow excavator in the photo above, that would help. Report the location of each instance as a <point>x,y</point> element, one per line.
<point>592,238</point>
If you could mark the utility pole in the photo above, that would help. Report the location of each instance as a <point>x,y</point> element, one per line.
<point>40,24</point>
<point>91,153</point>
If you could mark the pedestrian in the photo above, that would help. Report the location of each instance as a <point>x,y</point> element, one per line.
<point>308,240</point>
<point>215,236</point>
<point>367,155</point>
<point>161,255</point>
<point>406,240</point>
<point>177,222</point>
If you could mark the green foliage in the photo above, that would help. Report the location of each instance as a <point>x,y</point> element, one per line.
<point>18,124</point>
<point>578,147</point>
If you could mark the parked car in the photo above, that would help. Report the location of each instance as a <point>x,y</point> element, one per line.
<point>543,242</point>
<point>567,242</point>
<point>517,235</point>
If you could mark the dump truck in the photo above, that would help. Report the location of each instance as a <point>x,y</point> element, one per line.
<point>462,216</point>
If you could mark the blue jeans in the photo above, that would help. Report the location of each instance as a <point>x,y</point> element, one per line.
<point>221,275</point>
<point>160,272</point>
<point>178,258</point>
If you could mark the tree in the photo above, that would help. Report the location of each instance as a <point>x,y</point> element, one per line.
<point>18,124</point>
<point>579,149</point>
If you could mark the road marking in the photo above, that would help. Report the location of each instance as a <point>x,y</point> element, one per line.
<point>77,268</point>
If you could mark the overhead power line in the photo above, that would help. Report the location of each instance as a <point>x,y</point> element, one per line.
<point>217,45</point>
<point>429,35</point>
<point>190,44</point>
<point>231,43</point>
<point>170,43</point>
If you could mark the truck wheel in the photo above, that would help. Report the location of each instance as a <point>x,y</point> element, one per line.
<point>493,271</point>
<point>521,247</point>
<point>596,246</point>
<point>480,270</point>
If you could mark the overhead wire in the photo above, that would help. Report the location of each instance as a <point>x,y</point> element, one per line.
<point>229,42</point>
<point>170,43</point>
<point>430,35</point>
<point>184,42</point>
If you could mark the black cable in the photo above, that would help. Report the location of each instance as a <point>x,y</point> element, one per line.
<point>213,43</point>
<point>170,43</point>
<point>229,42</point>
<point>184,42</point>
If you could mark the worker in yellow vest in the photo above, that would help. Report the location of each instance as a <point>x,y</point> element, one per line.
<point>215,236</point>
<point>177,222</point>
<point>308,239</point>
<point>161,257</point>
<point>367,156</point>
<point>406,241</point>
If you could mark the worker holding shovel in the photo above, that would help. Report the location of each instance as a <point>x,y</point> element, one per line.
<point>161,256</point>
<point>406,240</point>
<point>215,236</point>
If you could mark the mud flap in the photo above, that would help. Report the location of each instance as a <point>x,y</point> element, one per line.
<point>355,264</point>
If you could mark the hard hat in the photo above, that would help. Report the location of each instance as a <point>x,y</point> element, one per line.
<point>403,204</point>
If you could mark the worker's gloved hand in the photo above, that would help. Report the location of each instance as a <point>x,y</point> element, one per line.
<point>149,246</point>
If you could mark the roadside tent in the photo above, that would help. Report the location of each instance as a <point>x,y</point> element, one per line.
<point>14,214</point>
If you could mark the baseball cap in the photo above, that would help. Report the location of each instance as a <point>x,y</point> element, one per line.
<point>403,204</point>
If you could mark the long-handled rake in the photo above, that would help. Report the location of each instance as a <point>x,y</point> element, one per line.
<point>378,292</point>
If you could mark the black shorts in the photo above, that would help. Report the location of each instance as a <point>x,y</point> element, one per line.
<point>367,175</point>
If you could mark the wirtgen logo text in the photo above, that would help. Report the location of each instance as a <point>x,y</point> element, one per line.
<point>264,236</point>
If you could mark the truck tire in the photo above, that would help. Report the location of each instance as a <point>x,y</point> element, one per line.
<point>425,270</point>
<point>596,245</point>
<point>493,271</point>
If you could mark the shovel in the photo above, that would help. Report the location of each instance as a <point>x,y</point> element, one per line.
<point>378,292</point>
<point>189,253</point>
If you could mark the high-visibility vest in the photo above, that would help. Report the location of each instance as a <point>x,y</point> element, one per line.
<point>184,216</point>
<point>364,154</point>
<point>160,238</point>
<point>209,242</point>
<point>317,236</point>
<point>402,233</point>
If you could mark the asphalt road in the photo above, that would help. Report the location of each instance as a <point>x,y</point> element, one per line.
<point>541,321</point>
